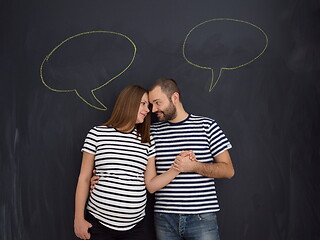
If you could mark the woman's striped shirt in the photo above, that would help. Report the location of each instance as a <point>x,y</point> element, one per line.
<point>119,198</point>
<point>189,192</point>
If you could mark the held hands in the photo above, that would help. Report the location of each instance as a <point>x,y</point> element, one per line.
<point>185,162</point>
<point>81,227</point>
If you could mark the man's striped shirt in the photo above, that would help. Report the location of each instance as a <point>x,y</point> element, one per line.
<point>119,198</point>
<point>189,192</point>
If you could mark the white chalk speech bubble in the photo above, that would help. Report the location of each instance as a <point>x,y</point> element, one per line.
<point>214,80</point>
<point>69,41</point>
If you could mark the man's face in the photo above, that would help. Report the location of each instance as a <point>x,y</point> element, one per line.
<point>161,105</point>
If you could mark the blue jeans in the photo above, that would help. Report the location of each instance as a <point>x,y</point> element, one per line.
<point>188,227</point>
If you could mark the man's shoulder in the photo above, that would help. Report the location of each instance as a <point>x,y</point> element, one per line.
<point>157,125</point>
<point>201,119</point>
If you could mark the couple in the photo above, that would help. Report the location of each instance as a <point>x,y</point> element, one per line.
<point>178,161</point>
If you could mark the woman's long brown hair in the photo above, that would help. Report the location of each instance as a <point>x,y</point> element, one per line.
<point>125,111</point>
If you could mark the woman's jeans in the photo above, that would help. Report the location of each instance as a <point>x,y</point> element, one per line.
<point>188,227</point>
<point>101,232</point>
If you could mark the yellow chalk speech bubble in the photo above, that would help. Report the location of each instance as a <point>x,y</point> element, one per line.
<point>213,80</point>
<point>46,59</point>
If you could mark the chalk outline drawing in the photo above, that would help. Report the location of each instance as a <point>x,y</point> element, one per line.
<point>93,90</point>
<point>212,85</point>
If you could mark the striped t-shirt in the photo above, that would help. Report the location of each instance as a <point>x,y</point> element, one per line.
<point>119,198</point>
<point>189,192</point>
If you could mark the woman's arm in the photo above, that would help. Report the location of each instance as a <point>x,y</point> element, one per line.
<point>81,226</point>
<point>155,182</point>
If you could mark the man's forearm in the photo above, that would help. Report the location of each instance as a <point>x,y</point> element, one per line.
<point>214,170</point>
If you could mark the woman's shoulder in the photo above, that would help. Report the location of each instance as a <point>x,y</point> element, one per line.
<point>101,128</point>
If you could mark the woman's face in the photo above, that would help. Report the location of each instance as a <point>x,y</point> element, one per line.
<point>143,108</point>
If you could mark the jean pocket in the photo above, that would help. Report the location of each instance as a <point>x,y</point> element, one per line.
<point>207,217</point>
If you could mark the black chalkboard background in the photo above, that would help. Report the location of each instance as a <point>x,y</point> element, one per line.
<point>269,108</point>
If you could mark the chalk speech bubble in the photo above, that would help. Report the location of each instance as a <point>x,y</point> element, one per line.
<point>229,44</point>
<point>91,57</point>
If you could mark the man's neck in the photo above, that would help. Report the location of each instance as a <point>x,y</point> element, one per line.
<point>181,115</point>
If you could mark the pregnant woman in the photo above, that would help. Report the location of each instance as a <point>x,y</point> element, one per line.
<point>119,150</point>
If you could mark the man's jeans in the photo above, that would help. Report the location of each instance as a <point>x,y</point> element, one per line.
<point>188,227</point>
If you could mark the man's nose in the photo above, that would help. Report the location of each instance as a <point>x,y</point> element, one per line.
<point>154,108</point>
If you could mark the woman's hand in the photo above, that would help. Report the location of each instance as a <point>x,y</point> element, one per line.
<point>81,227</point>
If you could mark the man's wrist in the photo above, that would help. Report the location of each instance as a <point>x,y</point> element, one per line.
<point>195,166</point>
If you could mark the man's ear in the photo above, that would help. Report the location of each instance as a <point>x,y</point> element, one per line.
<point>175,97</point>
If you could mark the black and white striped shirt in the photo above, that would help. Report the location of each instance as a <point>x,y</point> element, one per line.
<point>118,200</point>
<point>189,192</point>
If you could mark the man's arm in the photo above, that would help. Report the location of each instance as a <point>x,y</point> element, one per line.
<point>94,180</point>
<point>221,168</point>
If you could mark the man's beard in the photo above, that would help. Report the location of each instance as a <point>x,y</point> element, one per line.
<point>168,114</point>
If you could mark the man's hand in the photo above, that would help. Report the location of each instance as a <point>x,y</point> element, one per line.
<point>81,227</point>
<point>189,153</point>
<point>94,180</point>
<point>221,168</point>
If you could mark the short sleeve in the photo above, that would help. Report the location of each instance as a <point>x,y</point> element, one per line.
<point>152,148</point>
<point>90,142</point>
<point>218,141</point>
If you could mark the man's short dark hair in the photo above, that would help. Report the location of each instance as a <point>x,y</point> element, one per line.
<point>168,86</point>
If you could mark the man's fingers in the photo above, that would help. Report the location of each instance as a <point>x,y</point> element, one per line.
<point>94,181</point>
<point>95,178</point>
